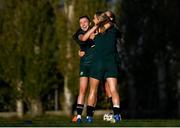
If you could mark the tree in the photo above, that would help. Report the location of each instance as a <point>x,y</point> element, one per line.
<point>11,61</point>
<point>30,58</point>
<point>41,50</point>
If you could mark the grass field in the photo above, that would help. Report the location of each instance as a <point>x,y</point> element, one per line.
<point>62,121</point>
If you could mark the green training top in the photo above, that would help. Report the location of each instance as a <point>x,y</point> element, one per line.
<point>84,45</point>
<point>105,43</point>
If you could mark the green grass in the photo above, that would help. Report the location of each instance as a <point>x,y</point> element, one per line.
<point>63,121</point>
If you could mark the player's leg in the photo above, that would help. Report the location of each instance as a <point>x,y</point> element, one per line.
<point>115,98</point>
<point>92,99</point>
<point>108,93</point>
<point>108,116</point>
<point>83,83</point>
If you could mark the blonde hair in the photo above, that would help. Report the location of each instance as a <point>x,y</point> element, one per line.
<point>103,19</point>
<point>111,15</point>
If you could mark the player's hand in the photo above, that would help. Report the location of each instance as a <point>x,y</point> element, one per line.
<point>81,53</point>
<point>92,36</point>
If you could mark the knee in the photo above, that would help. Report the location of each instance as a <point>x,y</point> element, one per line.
<point>114,92</point>
<point>82,91</point>
<point>92,94</point>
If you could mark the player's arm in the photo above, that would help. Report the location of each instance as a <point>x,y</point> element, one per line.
<point>108,25</point>
<point>84,37</point>
<point>105,26</point>
<point>92,36</point>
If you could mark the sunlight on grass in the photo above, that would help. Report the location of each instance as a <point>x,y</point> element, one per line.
<point>63,121</point>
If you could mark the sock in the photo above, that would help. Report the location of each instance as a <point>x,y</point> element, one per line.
<point>78,116</point>
<point>90,111</point>
<point>116,109</point>
<point>79,109</point>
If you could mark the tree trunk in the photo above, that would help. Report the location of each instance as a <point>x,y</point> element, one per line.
<point>19,102</point>
<point>67,107</point>
<point>19,108</point>
<point>36,107</point>
<point>56,100</point>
